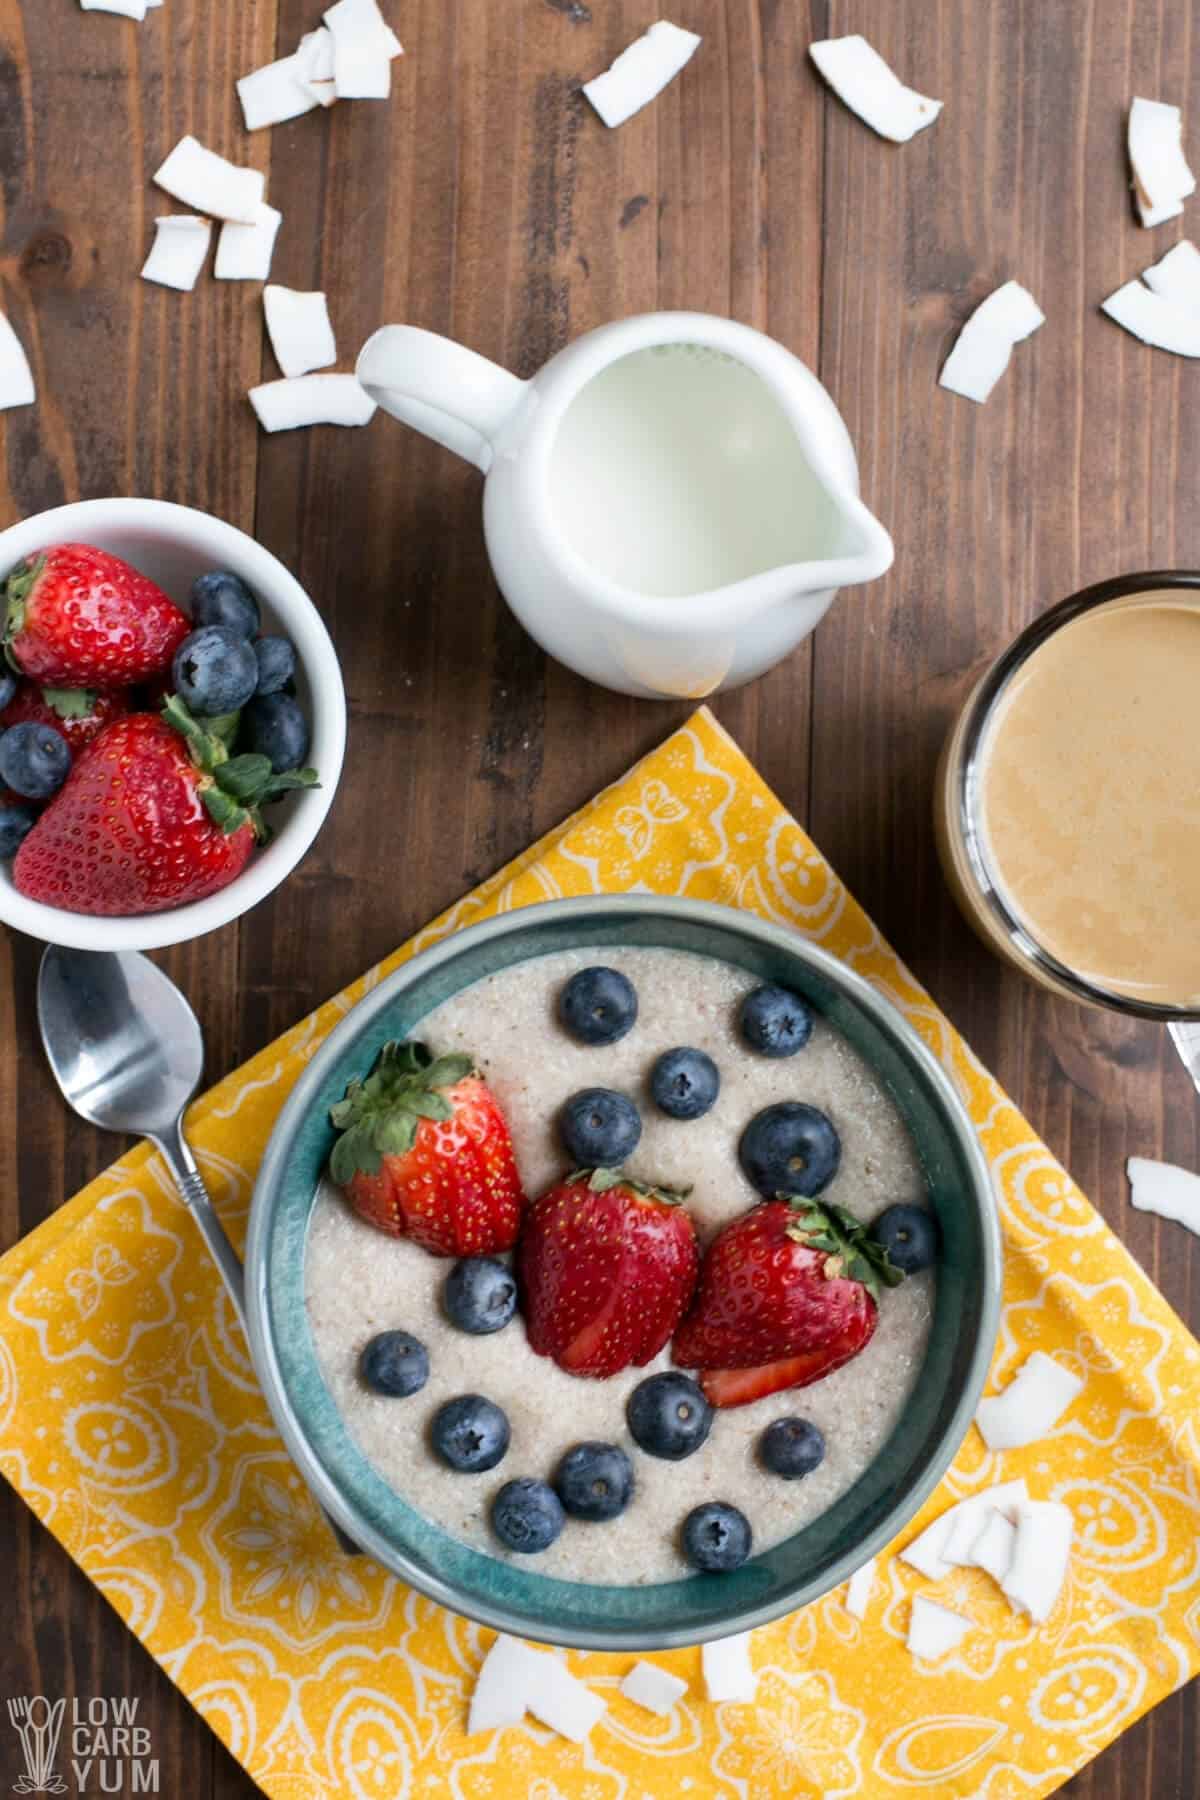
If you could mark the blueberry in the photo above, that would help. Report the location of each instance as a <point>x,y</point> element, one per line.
<point>684,1083</point>
<point>594,1481</point>
<point>598,1005</point>
<point>792,1448</point>
<point>274,726</point>
<point>8,686</point>
<point>716,1537</point>
<point>276,664</point>
<point>480,1295</point>
<point>395,1363</point>
<point>527,1515</point>
<point>790,1148</point>
<point>599,1128</point>
<point>224,599</point>
<point>16,822</point>
<point>668,1415</point>
<point>910,1236</point>
<point>214,671</point>
<point>35,760</point>
<point>470,1433</point>
<point>775,1022</point>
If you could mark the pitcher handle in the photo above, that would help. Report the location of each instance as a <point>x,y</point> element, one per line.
<point>451,394</point>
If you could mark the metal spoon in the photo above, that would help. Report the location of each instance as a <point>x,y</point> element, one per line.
<point>127,1051</point>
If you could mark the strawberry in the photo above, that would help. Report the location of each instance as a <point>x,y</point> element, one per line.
<point>154,813</point>
<point>787,1293</point>
<point>74,616</point>
<point>425,1153</point>
<point>606,1267</point>
<point>78,714</point>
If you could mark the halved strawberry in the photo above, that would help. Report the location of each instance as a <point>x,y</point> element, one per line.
<point>606,1267</point>
<point>787,1293</point>
<point>425,1153</point>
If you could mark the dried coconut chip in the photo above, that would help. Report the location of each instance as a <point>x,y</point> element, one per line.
<point>315,65</point>
<point>275,93</point>
<point>178,251</point>
<point>128,9</point>
<point>1162,180</point>
<point>1162,1188</point>
<point>927,1553</point>
<point>985,343</point>
<point>859,1590</point>
<point>728,1671</point>
<point>1041,1552</point>
<point>202,179</point>
<point>498,1697</point>
<point>1176,276</point>
<point>641,72</point>
<point>992,1550</point>
<point>301,335</point>
<point>934,1629</point>
<point>859,76</point>
<point>1157,321</point>
<point>244,251</point>
<point>16,377</point>
<point>654,1688</point>
<point>311,400</point>
<point>1030,1406</point>
<point>969,1514</point>
<point>554,1696</point>
<point>363,48</point>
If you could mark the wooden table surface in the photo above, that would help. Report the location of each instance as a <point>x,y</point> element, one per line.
<point>485,201</point>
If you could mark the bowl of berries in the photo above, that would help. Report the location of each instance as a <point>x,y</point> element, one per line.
<point>172,724</point>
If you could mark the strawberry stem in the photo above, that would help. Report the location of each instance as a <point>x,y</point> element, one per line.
<point>16,591</point>
<point>600,1181</point>
<point>850,1252</point>
<point>238,785</point>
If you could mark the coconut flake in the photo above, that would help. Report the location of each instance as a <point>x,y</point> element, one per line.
<point>554,1696</point>
<point>314,61</point>
<point>928,1552</point>
<point>728,1671</point>
<point>498,1697</point>
<point>16,377</point>
<point>178,251</point>
<point>1165,1189</point>
<point>1030,1406</point>
<point>992,1550</point>
<point>204,180</point>
<point>1176,276</point>
<point>654,1688</point>
<point>363,49</point>
<point>985,343</point>
<point>1155,320</point>
<point>275,93</point>
<point>311,400</point>
<point>128,9</point>
<point>1041,1552</point>
<point>301,335</point>
<point>1162,180</point>
<point>244,251</point>
<point>859,1590</point>
<point>859,76</point>
<point>934,1629</point>
<point>641,72</point>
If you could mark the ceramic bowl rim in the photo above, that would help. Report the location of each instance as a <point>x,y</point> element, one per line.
<point>882,1013</point>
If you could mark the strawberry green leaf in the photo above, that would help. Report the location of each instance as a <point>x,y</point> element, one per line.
<point>225,727</point>
<point>395,1133</point>
<point>353,1153</point>
<point>431,1106</point>
<point>15,593</point>
<point>244,777</point>
<point>69,703</point>
<point>224,810</point>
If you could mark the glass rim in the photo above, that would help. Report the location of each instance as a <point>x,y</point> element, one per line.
<point>968,797</point>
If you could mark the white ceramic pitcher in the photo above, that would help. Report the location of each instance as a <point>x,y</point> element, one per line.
<point>671,503</point>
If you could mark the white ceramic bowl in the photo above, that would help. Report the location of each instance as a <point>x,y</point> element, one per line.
<point>172,545</point>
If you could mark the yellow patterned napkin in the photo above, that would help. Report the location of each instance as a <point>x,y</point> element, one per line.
<point>131,1422</point>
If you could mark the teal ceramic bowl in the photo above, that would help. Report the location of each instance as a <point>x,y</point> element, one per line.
<point>515,1597</point>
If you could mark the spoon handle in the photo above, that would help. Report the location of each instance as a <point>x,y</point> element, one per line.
<point>182,1164</point>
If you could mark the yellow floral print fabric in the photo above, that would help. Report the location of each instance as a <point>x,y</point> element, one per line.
<point>131,1422</point>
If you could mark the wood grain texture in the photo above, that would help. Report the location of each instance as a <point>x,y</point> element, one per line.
<point>486,202</point>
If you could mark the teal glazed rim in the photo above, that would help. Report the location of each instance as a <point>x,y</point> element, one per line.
<point>512,1596</point>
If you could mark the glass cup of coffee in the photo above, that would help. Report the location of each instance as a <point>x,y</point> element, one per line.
<point>1067,804</point>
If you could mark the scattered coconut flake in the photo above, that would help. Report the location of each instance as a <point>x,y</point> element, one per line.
<point>859,76</point>
<point>992,1550</point>
<point>244,251</point>
<point>1176,276</point>
<point>1041,1552</point>
<point>498,1697</point>
<point>275,93</point>
<point>554,1696</point>
<point>980,356</point>
<point>969,1514</point>
<point>311,400</point>
<point>299,328</point>
<point>363,49</point>
<point>128,9</point>
<point>641,72</point>
<point>1162,180</point>
<point>1157,321</point>
<point>16,377</point>
<point>654,1688</point>
<point>861,1586</point>
<point>934,1629</point>
<point>1165,1189</point>
<point>1030,1406</point>
<point>728,1671</point>
<point>204,180</point>
<point>178,251</point>
<point>927,1553</point>
<point>314,60</point>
